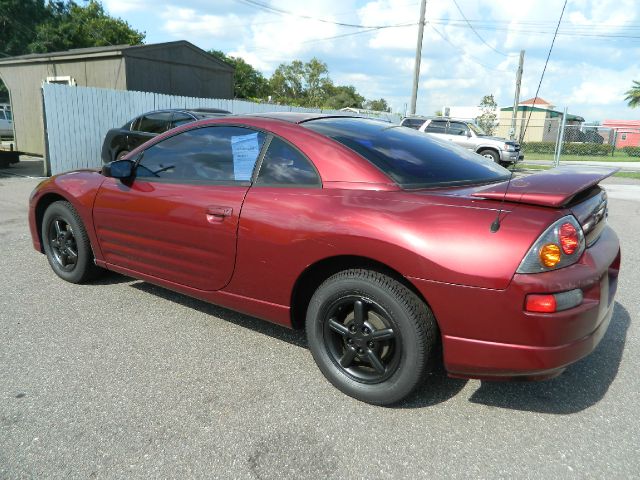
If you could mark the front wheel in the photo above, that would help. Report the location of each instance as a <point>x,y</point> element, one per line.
<point>66,244</point>
<point>371,336</point>
<point>491,155</point>
<point>121,154</point>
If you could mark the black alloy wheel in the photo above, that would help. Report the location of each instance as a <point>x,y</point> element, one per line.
<point>66,243</point>
<point>371,335</point>
<point>361,340</point>
<point>63,244</point>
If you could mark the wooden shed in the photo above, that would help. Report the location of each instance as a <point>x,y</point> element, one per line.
<point>173,68</point>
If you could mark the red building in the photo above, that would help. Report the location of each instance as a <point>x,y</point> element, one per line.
<point>627,132</point>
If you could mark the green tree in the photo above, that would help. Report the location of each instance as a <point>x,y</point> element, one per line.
<point>487,120</point>
<point>316,80</point>
<point>248,82</point>
<point>633,95</point>
<point>39,26</point>
<point>378,105</point>
<point>74,26</point>
<point>287,82</point>
<point>343,96</point>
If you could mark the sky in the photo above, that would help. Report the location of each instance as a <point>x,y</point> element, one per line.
<point>593,62</point>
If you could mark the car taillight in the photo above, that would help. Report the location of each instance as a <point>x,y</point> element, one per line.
<point>559,246</point>
<point>553,302</point>
<point>540,303</point>
<point>569,238</point>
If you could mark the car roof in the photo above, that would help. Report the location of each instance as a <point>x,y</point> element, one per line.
<point>196,111</point>
<point>301,117</point>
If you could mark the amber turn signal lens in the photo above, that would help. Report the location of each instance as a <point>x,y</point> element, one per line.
<point>550,255</point>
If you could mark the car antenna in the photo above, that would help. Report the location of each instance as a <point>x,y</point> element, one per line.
<point>495,225</point>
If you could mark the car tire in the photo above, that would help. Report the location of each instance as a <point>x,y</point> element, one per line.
<point>490,154</point>
<point>121,154</point>
<point>67,245</point>
<point>370,335</point>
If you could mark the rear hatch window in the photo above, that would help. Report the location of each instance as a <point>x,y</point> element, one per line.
<point>412,159</point>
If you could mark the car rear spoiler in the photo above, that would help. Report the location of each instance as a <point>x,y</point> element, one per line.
<point>550,188</point>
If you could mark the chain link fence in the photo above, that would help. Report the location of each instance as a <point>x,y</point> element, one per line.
<point>544,137</point>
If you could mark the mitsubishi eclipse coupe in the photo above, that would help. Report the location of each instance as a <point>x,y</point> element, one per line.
<point>392,249</point>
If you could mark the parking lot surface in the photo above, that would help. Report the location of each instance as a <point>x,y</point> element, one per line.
<point>122,379</point>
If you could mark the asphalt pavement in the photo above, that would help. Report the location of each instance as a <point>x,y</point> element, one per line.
<point>122,379</point>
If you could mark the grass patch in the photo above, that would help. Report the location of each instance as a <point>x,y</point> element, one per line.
<point>634,175</point>
<point>524,167</point>
<point>618,156</point>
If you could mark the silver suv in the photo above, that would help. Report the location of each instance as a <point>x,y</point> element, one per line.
<point>468,135</point>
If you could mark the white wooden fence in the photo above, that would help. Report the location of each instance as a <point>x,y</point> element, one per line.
<point>78,118</point>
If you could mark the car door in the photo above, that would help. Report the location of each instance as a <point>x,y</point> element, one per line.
<point>458,132</point>
<point>177,219</point>
<point>437,128</point>
<point>148,126</point>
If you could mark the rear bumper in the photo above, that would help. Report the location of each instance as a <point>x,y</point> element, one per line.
<point>487,334</point>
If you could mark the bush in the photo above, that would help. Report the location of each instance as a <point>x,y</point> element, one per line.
<point>584,149</point>
<point>632,151</point>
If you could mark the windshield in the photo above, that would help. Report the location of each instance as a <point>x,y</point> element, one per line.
<point>412,159</point>
<point>477,130</point>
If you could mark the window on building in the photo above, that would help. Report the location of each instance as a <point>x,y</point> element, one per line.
<point>624,136</point>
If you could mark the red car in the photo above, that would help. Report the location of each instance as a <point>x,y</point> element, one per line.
<point>389,247</point>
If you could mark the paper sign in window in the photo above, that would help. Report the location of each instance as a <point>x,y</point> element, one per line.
<point>245,149</point>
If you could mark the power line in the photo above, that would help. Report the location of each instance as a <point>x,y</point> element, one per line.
<point>477,34</point>
<point>280,11</point>
<point>464,52</point>
<point>535,98</point>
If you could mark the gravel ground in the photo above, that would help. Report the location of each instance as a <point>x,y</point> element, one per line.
<point>122,379</point>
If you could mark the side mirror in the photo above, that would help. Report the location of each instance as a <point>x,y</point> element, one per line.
<point>119,169</point>
<point>468,133</point>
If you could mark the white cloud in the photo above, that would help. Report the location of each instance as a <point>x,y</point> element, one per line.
<point>118,7</point>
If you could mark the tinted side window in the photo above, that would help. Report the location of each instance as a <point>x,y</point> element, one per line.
<point>436,126</point>
<point>457,128</point>
<point>284,165</point>
<point>155,122</point>
<point>412,159</point>
<point>181,119</point>
<point>2,115</point>
<point>209,155</point>
<point>414,123</point>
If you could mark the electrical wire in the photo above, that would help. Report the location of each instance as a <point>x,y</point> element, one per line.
<point>535,98</point>
<point>478,35</point>
<point>466,54</point>
<point>280,11</point>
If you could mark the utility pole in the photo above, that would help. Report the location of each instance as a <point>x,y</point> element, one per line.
<point>416,68</point>
<point>516,99</point>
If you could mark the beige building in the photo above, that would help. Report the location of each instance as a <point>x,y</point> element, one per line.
<point>543,121</point>
<point>173,68</point>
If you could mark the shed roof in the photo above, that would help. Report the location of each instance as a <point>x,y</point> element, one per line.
<point>108,51</point>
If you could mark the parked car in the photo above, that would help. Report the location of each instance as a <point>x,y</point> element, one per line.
<point>6,123</point>
<point>468,135</point>
<point>120,141</point>
<point>392,249</point>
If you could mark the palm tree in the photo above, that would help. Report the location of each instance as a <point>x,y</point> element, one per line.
<point>633,95</point>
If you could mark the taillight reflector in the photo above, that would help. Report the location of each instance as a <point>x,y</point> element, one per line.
<point>540,303</point>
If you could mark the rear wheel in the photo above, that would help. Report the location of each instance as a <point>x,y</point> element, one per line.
<point>66,244</point>
<point>491,155</point>
<point>370,335</point>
